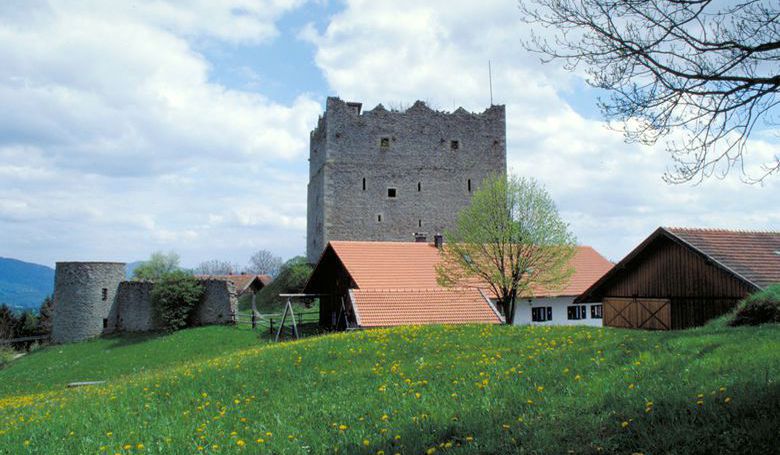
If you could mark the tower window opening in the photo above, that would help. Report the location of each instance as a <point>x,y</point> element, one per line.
<point>419,187</point>
<point>364,184</point>
<point>104,294</point>
<point>391,193</point>
<point>468,183</point>
<point>379,218</point>
<point>454,145</point>
<point>384,142</point>
<point>419,223</point>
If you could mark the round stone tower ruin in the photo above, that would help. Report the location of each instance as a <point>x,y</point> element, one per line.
<point>84,299</point>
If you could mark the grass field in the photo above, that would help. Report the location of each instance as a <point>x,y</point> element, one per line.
<point>436,389</point>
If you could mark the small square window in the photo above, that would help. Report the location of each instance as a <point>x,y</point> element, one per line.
<point>384,142</point>
<point>391,192</point>
<point>454,145</point>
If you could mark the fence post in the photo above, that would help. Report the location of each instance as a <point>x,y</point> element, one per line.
<point>271,323</point>
<point>254,321</point>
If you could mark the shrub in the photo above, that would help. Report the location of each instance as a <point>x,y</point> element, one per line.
<point>175,298</point>
<point>759,308</point>
<point>6,355</point>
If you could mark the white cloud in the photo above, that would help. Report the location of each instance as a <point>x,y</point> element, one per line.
<point>114,140</point>
<point>611,192</point>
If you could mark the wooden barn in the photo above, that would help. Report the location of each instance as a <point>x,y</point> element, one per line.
<point>679,278</point>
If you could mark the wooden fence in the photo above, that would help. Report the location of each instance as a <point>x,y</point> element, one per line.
<point>24,339</point>
<point>271,321</point>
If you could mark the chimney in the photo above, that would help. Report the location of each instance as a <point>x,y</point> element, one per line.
<point>438,240</point>
<point>420,237</point>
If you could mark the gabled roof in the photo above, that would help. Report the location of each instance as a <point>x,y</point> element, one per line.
<point>753,256</point>
<point>242,282</point>
<point>390,307</point>
<point>391,265</point>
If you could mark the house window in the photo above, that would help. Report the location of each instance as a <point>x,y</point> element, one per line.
<point>468,184</point>
<point>104,294</point>
<point>391,193</point>
<point>596,312</point>
<point>577,312</point>
<point>384,142</point>
<point>364,184</point>
<point>541,314</point>
<point>454,145</point>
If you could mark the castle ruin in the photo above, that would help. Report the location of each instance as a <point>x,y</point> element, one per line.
<point>384,175</point>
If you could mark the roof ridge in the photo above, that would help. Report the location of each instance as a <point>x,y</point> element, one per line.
<point>724,230</point>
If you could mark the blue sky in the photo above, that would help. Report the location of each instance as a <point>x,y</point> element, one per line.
<point>131,127</point>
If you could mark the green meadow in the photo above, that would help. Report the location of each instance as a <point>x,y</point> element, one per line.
<point>433,389</point>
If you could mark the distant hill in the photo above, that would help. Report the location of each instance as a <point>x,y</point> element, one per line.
<point>24,285</point>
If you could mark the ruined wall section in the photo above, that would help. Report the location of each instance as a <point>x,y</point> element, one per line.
<point>315,214</point>
<point>134,307</point>
<point>84,299</point>
<point>432,161</point>
<point>219,303</point>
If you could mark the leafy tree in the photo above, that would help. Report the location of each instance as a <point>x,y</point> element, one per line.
<point>8,322</point>
<point>216,267</point>
<point>265,263</point>
<point>291,279</point>
<point>45,315</point>
<point>175,297</point>
<point>704,68</point>
<point>158,265</point>
<point>509,239</point>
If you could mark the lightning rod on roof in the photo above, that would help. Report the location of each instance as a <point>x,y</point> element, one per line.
<point>490,80</point>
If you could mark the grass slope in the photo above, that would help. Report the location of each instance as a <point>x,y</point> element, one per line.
<point>442,389</point>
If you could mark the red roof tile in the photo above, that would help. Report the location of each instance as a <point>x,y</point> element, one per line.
<point>389,307</point>
<point>393,265</point>
<point>755,256</point>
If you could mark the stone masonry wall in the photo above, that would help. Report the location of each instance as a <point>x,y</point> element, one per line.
<point>134,307</point>
<point>412,152</point>
<point>84,299</point>
<point>219,304</point>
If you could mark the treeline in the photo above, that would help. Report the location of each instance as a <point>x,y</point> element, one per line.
<point>26,324</point>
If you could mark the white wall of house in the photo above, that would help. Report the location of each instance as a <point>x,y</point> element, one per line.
<point>560,310</point>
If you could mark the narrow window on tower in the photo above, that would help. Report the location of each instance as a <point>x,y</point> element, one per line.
<point>105,294</point>
<point>454,145</point>
<point>379,218</point>
<point>419,223</point>
<point>364,184</point>
<point>384,143</point>
<point>419,187</point>
<point>391,193</point>
<point>468,184</point>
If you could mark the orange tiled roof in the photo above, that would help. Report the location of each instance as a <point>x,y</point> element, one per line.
<point>389,307</point>
<point>393,265</point>
<point>755,256</point>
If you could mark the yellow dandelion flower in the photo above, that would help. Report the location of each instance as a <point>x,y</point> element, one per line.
<point>200,448</point>
<point>139,446</point>
<point>366,442</point>
<point>700,403</point>
<point>431,451</point>
<point>26,443</point>
<point>469,438</point>
<point>240,443</point>
<point>631,386</point>
<point>343,427</point>
<point>540,389</point>
<point>727,400</point>
<point>577,378</point>
<point>260,440</point>
<point>380,452</point>
<point>127,447</point>
<point>624,424</point>
<point>722,389</point>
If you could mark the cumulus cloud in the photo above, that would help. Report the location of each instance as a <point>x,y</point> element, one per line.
<point>114,140</point>
<point>611,192</point>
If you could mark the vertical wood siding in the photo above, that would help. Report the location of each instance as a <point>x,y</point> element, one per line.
<point>696,287</point>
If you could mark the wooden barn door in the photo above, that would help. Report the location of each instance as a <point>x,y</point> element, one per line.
<point>638,313</point>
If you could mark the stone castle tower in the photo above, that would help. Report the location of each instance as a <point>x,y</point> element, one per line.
<point>385,175</point>
<point>84,295</point>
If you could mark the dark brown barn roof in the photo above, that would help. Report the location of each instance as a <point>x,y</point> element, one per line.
<point>754,256</point>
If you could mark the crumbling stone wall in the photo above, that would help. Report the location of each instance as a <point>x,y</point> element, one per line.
<point>135,312</point>
<point>219,303</point>
<point>384,175</point>
<point>84,299</point>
